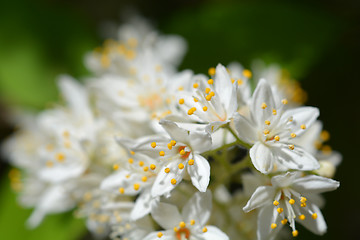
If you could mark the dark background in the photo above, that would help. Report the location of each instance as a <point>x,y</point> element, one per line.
<point>318,42</point>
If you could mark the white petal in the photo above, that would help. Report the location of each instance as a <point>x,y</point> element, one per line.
<point>167,235</point>
<point>295,159</point>
<point>266,217</point>
<point>318,225</point>
<point>162,184</point>
<point>262,196</point>
<point>174,131</point>
<point>262,94</point>
<point>300,115</point>
<point>225,89</point>
<point>214,126</point>
<point>199,172</point>
<point>200,141</point>
<point>315,184</point>
<point>166,215</point>
<point>245,129</point>
<point>143,205</point>
<point>213,233</point>
<point>284,180</point>
<point>262,157</point>
<point>198,208</point>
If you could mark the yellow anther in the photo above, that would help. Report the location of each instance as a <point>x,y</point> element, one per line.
<point>277,138</point>
<point>191,162</point>
<point>173,181</point>
<point>67,144</point>
<point>208,97</point>
<point>314,216</point>
<point>152,166</point>
<point>49,164</point>
<point>196,100</point>
<point>284,101</point>
<point>273,225</point>
<point>325,135</point>
<point>173,142</point>
<point>303,199</point>
<point>275,203</point>
<point>303,204</point>
<point>144,179</point>
<point>66,134</point>
<point>232,80</point>
<point>132,152</point>
<point>274,112</point>
<point>205,108</point>
<point>302,217</point>
<point>182,152</point>
<point>141,163</point>
<point>162,153</point>
<point>210,81</point>
<point>295,233</point>
<point>131,160</point>
<point>60,157</point>
<point>263,105</point>
<point>247,73</point>
<point>266,131</point>
<point>169,146</point>
<point>176,229</point>
<point>146,168</point>
<point>121,190</point>
<point>116,166</point>
<point>284,221</point>
<point>212,94</point>
<point>293,135</point>
<point>204,229</point>
<point>280,210</point>
<point>182,224</point>
<point>128,176</point>
<point>181,101</point>
<point>181,166</point>
<point>291,147</point>
<point>195,85</point>
<point>207,90</point>
<point>136,186</point>
<point>160,234</point>
<point>211,71</point>
<point>240,82</point>
<point>167,170</point>
<point>181,88</point>
<point>267,122</point>
<point>192,222</point>
<point>291,201</point>
<point>303,126</point>
<point>153,144</point>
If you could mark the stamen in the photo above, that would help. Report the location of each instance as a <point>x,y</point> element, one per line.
<point>263,105</point>
<point>116,166</point>
<point>144,179</point>
<point>169,146</point>
<point>207,90</point>
<point>160,234</point>
<point>192,222</point>
<point>303,126</point>
<point>280,210</point>
<point>176,229</point>
<point>295,233</point>
<point>195,85</point>
<point>146,168</point>
<point>266,131</point>
<point>173,142</point>
<point>291,147</point>
<point>181,166</point>
<point>274,112</point>
<point>182,224</point>
<point>205,108</point>
<point>211,71</point>
<point>277,138</point>
<point>302,217</point>
<point>173,181</point>
<point>247,73</point>
<point>210,81</point>
<point>153,144</point>
<point>136,186</point>
<point>60,157</point>
<point>181,101</point>
<point>276,203</point>
<point>131,161</point>
<point>284,221</point>
<point>273,225</point>
<point>314,216</point>
<point>240,82</point>
<point>152,166</point>
<point>191,162</point>
<point>291,201</point>
<point>267,122</point>
<point>284,101</point>
<point>141,163</point>
<point>293,135</point>
<point>204,229</point>
<point>162,153</point>
<point>121,190</point>
<point>167,170</point>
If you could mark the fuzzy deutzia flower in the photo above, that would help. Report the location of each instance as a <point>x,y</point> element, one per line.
<point>178,154</point>
<point>212,101</point>
<point>271,129</point>
<point>290,198</point>
<point>136,176</point>
<point>191,224</point>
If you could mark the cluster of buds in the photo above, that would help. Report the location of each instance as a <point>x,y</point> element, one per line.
<point>138,139</point>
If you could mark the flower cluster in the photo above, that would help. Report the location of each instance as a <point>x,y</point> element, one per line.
<point>139,139</point>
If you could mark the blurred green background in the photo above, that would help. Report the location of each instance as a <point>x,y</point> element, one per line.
<point>318,42</point>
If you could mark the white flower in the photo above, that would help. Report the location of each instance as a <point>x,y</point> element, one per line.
<point>272,129</point>
<point>290,198</point>
<point>212,101</point>
<point>191,224</point>
<point>178,154</point>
